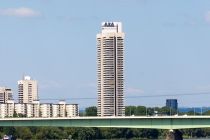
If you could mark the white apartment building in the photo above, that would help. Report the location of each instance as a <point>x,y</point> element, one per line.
<point>3,110</point>
<point>62,109</point>
<point>5,94</point>
<point>29,110</point>
<point>10,108</point>
<point>7,109</point>
<point>36,108</point>
<point>33,109</point>
<point>110,67</point>
<point>65,110</point>
<point>46,110</point>
<point>55,110</point>
<point>27,90</point>
<point>20,109</point>
<point>72,110</point>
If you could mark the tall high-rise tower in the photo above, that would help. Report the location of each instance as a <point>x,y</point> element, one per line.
<point>27,90</point>
<point>110,46</point>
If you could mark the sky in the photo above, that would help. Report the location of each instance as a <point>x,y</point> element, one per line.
<point>167,48</point>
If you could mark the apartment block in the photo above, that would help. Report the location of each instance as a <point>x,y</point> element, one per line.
<point>10,108</point>
<point>35,110</point>
<point>20,109</point>
<point>46,110</point>
<point>62,109</point>
<point>3,110</point>
<point>5,94</point>
<point>27,90</point>
<point>55,110</point>
<point>72,110</point>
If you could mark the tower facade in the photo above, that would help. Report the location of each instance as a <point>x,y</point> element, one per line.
<point>110,48</point>
<point>27,90</point>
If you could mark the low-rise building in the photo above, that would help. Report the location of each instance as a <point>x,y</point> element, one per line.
<point>3,110</point>
<point>10,108</point>
<point>55,110</point>
<point>62,109</point>
<point>35,109</point>
<point>46,110</point>
<point>72,110</point>
<point>20,109</point>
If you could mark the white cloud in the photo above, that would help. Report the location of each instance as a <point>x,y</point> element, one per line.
<point>207,17</point>
<point>19,12</point>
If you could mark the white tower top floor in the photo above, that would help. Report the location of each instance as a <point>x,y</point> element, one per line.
<point>111,27</point>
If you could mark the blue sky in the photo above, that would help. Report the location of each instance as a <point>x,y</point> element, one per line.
<point>167,48</point>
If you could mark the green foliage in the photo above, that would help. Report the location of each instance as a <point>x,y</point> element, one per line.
<point>143,111</point>
<point>86,133</point>
<point>18,115</point>
<point>207,112</point>
<point>45,133</point>
<point>50,133</point>
<point>91,111</point>
<point>136,110</point>
<point>110,133</point>
<point>24,133</point>
<point>191,113</point>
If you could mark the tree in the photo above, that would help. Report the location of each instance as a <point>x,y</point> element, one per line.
<point>15,115</point>
<point>86,134</point>
<point>24,133</point>
<point>140,111</point>
<point>9,131</point>
<point>207,112</point>
<point>91,111</point>
<point>152,133</point>
<point>130,110</point>
<point>109,133</point>
<point>199,133</point>
<point>164,111</point>
<point>192,113</point>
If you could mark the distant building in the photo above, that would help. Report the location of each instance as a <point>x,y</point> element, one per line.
<point>10,108</point>
<point>5,94</point>
<point>46,110</point>
<point>65,110</point>
<point>27,90</point>
<point>20,109</point>
<point>3,110</point>
<point>172,104</point>
<point>110,63</point>
<point>55,110</point>
<point>62,109</point>
<point>7,109</point>
<point>36,108</point>
<point>29,110</point>
<point>33,109</point>
<point>72,110</point>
